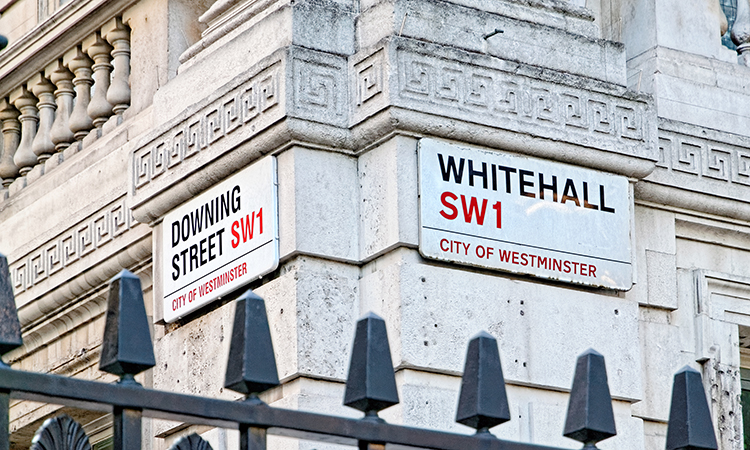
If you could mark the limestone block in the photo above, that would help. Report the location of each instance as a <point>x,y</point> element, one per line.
<point>703,255</point>
<point>537,415</point>
<point>665,351</point>
<point>318,204</point>
<point>325,25</point>
<point>654,229</point>
<point>312,310</point>
<point>19,18</point>
<point>389,197</point>
<point>199,75</point>
<point>305,394</point>
<point>432,311</point>
<point>473,29</point>
<point>661,279</point>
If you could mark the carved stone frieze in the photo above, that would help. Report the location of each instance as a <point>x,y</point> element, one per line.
<point>701,169</point>
<point>298,94</point>
<point>252,103</point>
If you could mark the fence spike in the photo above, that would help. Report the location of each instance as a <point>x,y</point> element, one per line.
<point>10,327</point>
<point>371,384</point>
<point>126,348</point>
<point>482,403</point>
<point>690,425</point>
<point>251,367</point>
<point>590,418</point>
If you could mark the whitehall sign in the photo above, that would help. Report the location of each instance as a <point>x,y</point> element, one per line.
<point>524,215</point>
<point>220,240</point>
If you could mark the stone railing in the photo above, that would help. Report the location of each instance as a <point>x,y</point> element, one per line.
<point>70,101</point>
<point>741,31</point>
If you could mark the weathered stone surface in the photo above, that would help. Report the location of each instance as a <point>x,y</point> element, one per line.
<point>406,292</point>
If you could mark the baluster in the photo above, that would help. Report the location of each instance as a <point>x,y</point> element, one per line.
<point>25,158</point>
<point>11,136</point>
<point>80,65</point>
<point>126,351</point>
<point>741,31</point>
<point>43,146</point>
<point>119,91</point>
<point>60,133</point>
<point>99,50</point>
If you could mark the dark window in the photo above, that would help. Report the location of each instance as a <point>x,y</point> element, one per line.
<point>730,10</point>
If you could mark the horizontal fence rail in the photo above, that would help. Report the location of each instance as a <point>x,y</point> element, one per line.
<point>370,387</point>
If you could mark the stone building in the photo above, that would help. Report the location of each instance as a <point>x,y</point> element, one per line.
<point>560,174</point>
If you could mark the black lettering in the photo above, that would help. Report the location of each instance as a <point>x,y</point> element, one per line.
<point>522,183</point>
<point>547,187</point>
<point>224,209</point>
<point>211,246</point>
<point>176,267</point>
<point>218,234</point>
<point>569,193</point>
<point>601,200</point>
<point>175,233</point>
<point>184,261</point>
<point>457,174</point>
<point>197,218</point>
<point>193,256</point>
<point>473,173</point>
<point>202,247</point>
<point>209,213</point>
<point>508,171</point>
<point>586,203</point>
<point>235,199</point>
<point>186,227</point>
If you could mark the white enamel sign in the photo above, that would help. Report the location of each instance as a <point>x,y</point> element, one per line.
<point>220,240</point>
<point>524,215</point>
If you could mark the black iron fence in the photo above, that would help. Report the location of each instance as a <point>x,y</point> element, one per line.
<point>370,387</point>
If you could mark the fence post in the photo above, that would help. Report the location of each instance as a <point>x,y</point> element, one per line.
<point>126,351</point>
<point>590,418</point>
<point>251,368</point>
<point>483,402</point>
<point>690,425</point>
<point>10,338</point>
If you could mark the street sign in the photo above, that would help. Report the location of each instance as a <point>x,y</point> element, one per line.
<point>220,240</point>
<point>524,215</point>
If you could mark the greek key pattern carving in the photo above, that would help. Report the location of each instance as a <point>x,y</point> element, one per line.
<point>75,243</point>
<point>523,103</point>
<point>239,108</point>
<point>369,77</point>
<point>703,158</point>
<point>319,85</point>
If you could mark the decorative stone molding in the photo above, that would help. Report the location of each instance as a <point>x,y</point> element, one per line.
<point>216,125</point>
<point>326,100</point>
<point>72,245</point>
<point>723,303</point>
<point>700,169</point>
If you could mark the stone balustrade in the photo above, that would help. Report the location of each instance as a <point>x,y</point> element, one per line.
<point>741,31</point>
<point>74,99</point>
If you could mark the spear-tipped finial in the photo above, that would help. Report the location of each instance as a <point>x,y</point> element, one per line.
<point>126,347</point>
<point>690,425</point>
<point>371,385</point>
<point>10,327</point>
<point>590,417</point>
<point>251,368</point>
<point>482,403</point>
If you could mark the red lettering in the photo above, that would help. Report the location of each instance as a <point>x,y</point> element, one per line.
<point>235,234</point>
<point>524,259</point>
<point>498,207</point>
<point>473,209</point>
<point>441,244</point>
<point>454,211</point>
<point>515,257</point>
<point>566,266</point>
<point>592,271</point>
<point>504,255</point>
